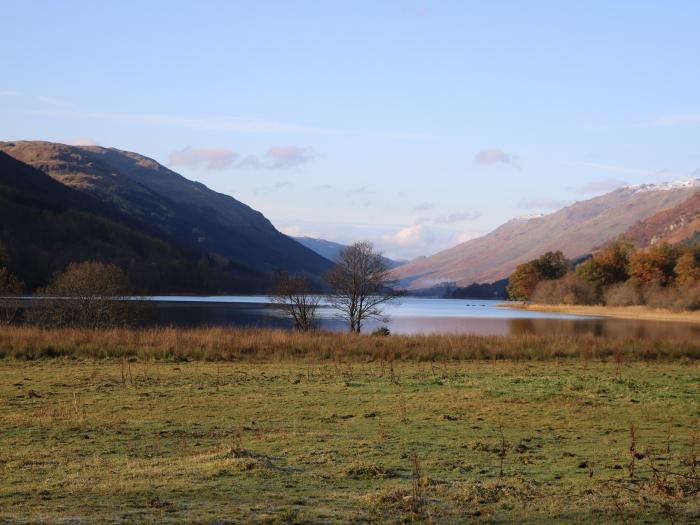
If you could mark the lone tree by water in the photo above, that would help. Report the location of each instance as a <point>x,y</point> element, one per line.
<point>293,296</point>
<point>360,284</point>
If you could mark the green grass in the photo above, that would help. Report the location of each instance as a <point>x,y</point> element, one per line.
<point>293,442</point>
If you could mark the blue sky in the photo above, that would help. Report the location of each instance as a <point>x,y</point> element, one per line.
<point>414,124</point>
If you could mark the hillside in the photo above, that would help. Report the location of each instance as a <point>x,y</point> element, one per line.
<point>330,249</point>
<point>576,230</point>
<point>44,225</point>
<point>186,211</point>
<point>673,225</point>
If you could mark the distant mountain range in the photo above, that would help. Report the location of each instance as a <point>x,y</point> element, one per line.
<point>330,250</point>
<point>185,214</point>
<point>576,230</point>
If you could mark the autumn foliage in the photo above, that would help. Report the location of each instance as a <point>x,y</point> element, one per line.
<point>661,276</point>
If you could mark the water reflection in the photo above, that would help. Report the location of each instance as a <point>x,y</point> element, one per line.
<point>421,317</point>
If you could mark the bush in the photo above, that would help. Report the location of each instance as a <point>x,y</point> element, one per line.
<point>624,294</point>
<point>570,289</point>
<point>673,297</point>
<point>382,331</point>
<point>88,295</point>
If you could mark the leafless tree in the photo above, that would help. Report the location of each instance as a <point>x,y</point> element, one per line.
<point>294,297</point>
<point>360,284</point>
<point>10,289</point>
<point>89,294</point>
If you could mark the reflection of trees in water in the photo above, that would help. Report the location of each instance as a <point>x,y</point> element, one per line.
<point>227,314</point>
<point>615,328</point>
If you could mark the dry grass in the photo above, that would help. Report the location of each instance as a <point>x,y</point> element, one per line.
<point>646,313</point>
<point>257,345</point>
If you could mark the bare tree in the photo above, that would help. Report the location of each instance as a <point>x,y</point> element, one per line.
<point>360,284</point>
<point>294,297</point>
<point>10,289</point>
<point>89,294</point>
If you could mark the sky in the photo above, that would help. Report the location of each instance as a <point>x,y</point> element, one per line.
<point>415,125</point>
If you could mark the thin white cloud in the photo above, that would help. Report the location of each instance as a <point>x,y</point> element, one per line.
<point>277,157</point>
<point>278,186</point>
<point>210,158</point>
<point>541,203</point>
<point>8,93</point>
<point>51,101</point>
<point>612,168</point>
<point>601,186</point>
<point>213,123</point>
<point>460,216</point>
<point>410,236</point>
<point>493,156</point>
<point>677,120</point>
<point>281,157</point>
<point>423,206</point>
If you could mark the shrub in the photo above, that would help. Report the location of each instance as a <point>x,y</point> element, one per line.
<point>89,294</point>
<point>570,289</point>
<point>382,331</point>
<point>624,294</point>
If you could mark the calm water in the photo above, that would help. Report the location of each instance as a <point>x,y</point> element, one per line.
<point>418,315</point>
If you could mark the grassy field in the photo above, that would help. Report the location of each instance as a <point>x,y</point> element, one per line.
<point>362,439</point>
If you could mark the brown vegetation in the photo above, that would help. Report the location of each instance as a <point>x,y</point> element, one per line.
<point>661,276</point>
<point>88,294</point>
<point>264,345</point>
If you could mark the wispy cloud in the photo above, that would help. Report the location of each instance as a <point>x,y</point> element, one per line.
<point>8,93</point>
<point>613,168</point>
<point>51,101</point>
<point>541,203</point>
<point>677,120</point>
<point>493,156</point>
<point>415,235</point>
<point>460,216</point>
<point>229,124</point>
<point>210,158</point>
<point>278,157</point>
<point>278,186</point>
<point>281,157</point>
<point>601,186</point>
<point>423,206</point>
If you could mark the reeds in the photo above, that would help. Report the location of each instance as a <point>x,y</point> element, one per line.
<point>266,345</point>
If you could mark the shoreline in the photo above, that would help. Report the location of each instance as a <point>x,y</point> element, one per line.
<point>644,313</point>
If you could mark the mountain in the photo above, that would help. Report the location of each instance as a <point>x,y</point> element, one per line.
<point>44,225</point>
<point>576,230</point>
<point>673,225</point>
<point>330,250</point>
<point>193,215</point>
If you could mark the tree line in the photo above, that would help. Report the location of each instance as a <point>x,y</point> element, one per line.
<point>93,294</point>
<point>661,276</point>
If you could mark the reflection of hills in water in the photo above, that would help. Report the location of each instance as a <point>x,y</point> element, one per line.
<point>228,314</point>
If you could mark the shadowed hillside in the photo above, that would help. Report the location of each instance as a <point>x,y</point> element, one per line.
<point>187,211</point>
<point>45,225</point>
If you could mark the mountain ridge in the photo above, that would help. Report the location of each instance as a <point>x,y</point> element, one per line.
<point>45,225</point>
<point>576,230</point>
<point>185,210</point>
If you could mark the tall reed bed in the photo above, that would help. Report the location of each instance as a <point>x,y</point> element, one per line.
<point>260,345</point>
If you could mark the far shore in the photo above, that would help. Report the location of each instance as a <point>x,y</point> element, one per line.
<point>623,312</point>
